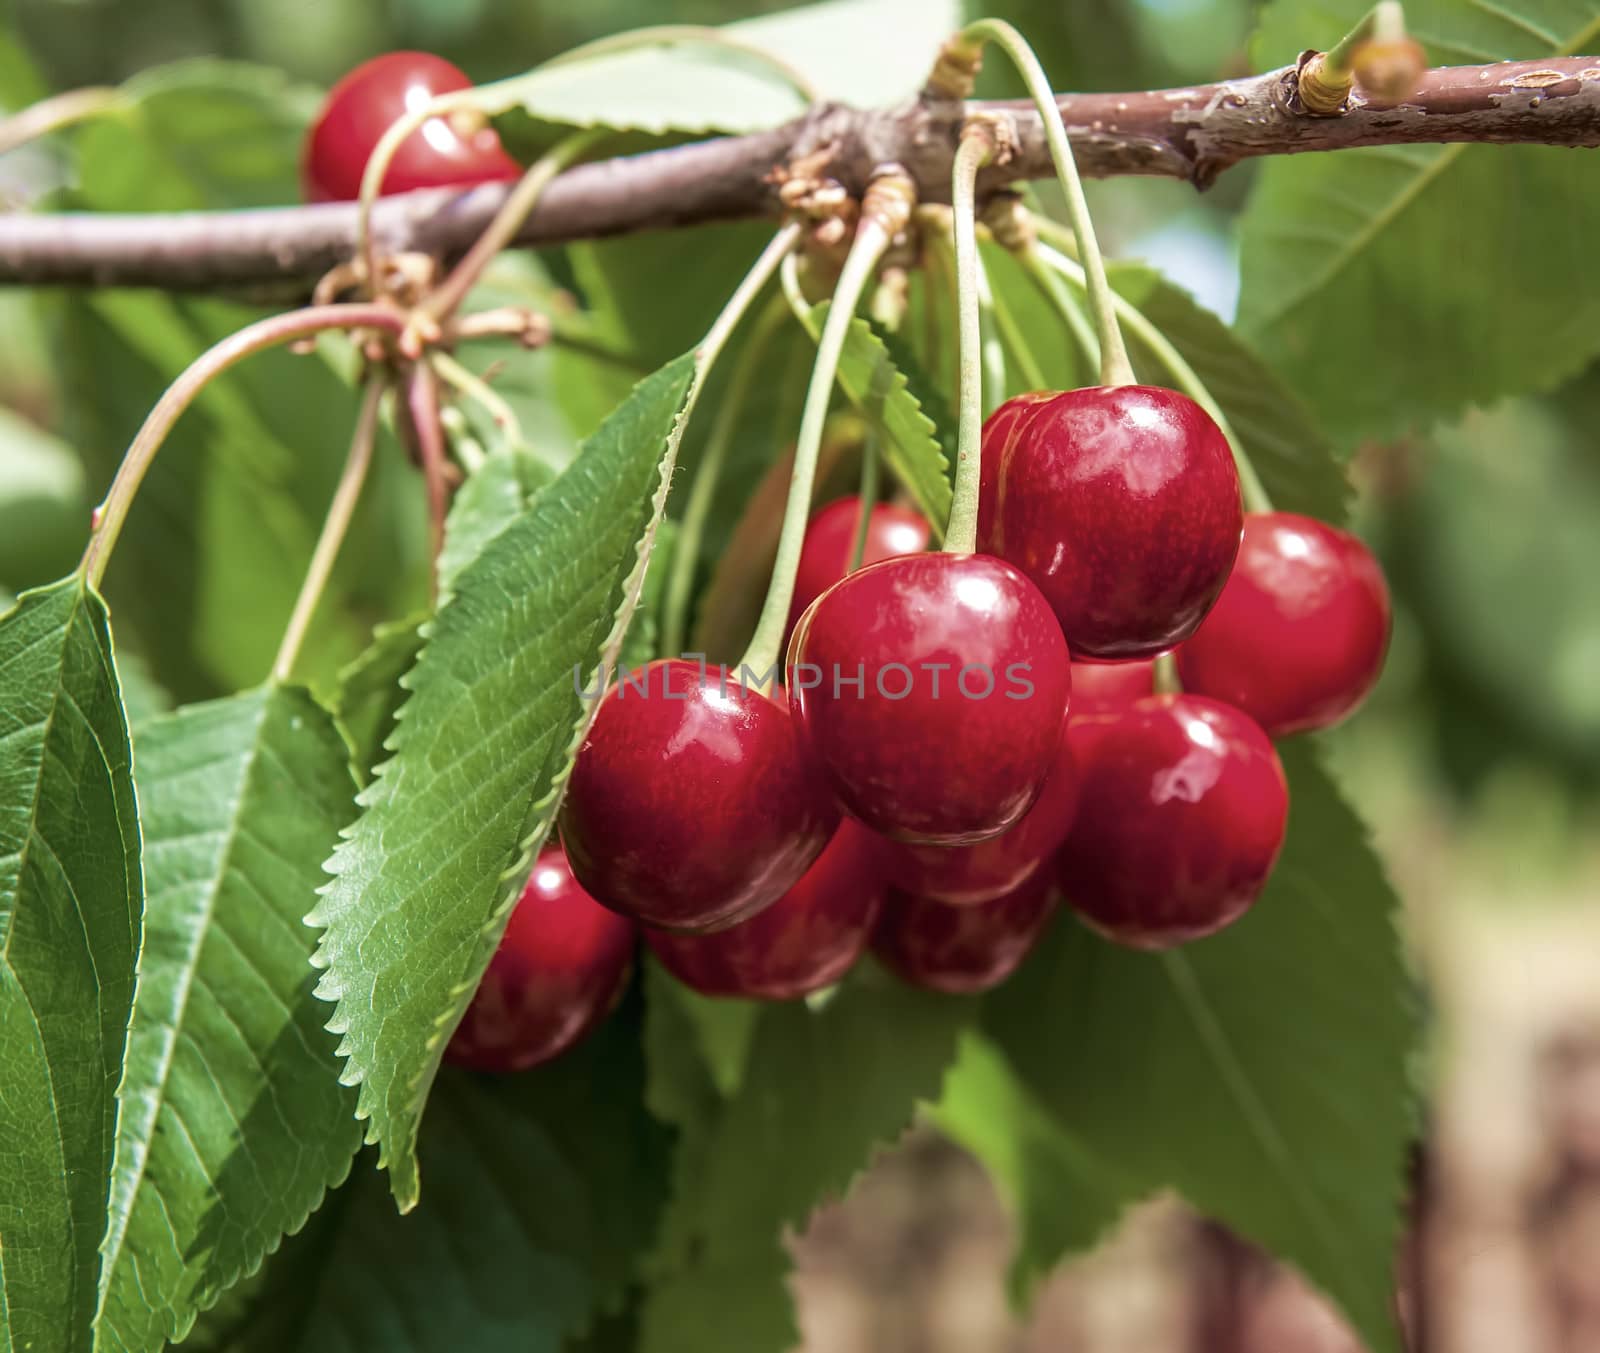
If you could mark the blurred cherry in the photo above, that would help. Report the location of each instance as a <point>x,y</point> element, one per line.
<point>961,950</point>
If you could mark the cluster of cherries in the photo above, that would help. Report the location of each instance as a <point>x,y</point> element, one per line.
<point>922,784</point>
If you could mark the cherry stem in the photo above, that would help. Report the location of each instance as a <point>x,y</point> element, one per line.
<point>422,403</point>
<point>272,332</point>
<point>977,148</point>
<point>475,388</point>
<point>1114,365</point>
<point>515,210</point>
<point>1164,678</point>
<point>703,491</point>
<point>58,111</point>
<point>885,210</point>
<point>334,529</point>
<point>867,495</point>
<point>1177,366</point>
<point>1385,22</point>
<point>1049,282</point>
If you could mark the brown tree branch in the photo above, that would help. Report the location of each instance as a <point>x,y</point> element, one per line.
<point>1191,134</point>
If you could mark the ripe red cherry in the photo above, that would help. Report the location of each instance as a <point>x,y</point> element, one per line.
<point>1101,687</point>
<point>806,940</point>
<point>1298,637</point>
<point>560,967</point>
<point>831,539</point>
<point>999,430</point>
<point>960,950</point>
<point>969,875</point>
<point>693,803</point>
<point>932,689</point>
<point>361,107</point>
<point>1122,504</point>
<point>1181,818</point>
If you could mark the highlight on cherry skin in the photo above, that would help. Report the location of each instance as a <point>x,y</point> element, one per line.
<point>963,950</point>
<point>1299,635</point>
<point>830,542</point>
<point>807,940</point>
<point>1180,820</point>
<point>931,689</point>
<point>442,153</point>
<point>559,969</point>
<point>1121,503</point>
<point>692,803</point>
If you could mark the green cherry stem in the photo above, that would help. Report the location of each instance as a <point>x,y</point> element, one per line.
<point>1177,366</point>
<point>1114,365</point>
<point>976,150</point>
<point>334,529</point>
<point>1164,679</point>
<point>885,209</point>
<point>274,331</point>
<point>468,383</point>
<point>993,345</point>
<point>703,491</point>
<point>1049,282</point>
<point>868,497</point>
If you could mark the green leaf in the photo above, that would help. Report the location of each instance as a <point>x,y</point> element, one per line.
<point>368,694</point>
<point>821,1091</point>
<point>69,943</point>
<point>492,498</point>
<point>44,511</point>
<point>910,441</point>
<point>233,1123</point>
<point>424,880</point>
<point>1281,436</point>
<point>1262,1073</point>
<point>1424,260</point>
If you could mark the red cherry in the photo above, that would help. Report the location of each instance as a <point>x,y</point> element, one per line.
<point>961,950</point>
<point>560,967</point>
<point>1102,687</point>
<point>831,539</point>
<point>806,940</point>
<point>932,689</point>
<point>1122,504</point>
<point>964,876</point>
<point>361,107</point>
<point>1181,818</point>
<point>999,430</point>
<point>693,803</point>
<point>1298,637</point>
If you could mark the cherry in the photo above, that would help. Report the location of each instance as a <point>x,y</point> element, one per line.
<point>971,875</point>
<point>1122,504</point>
<point>361,107</point>
<point>999,429</point>
<point>1101,687</point>
<point>1181,818</point>
<point>692,804</point>
<point>560,967</point>
<point>932,689</point>
<point>831,539</point>
<point>1298,637</point>
<point>806,940</point>
<point>961,950</point>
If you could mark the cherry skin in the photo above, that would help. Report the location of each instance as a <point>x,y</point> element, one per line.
<point>1101,687</point>
<point>963,681</point>
<point>361,107</point>
<point>1182,815</point>
<point>559,970</point>
<point>831,539</point>
<point>999,431</point>
<point>962,950</point>
<point>965,876</point>
<point>1298,637</point>
<point>693,803</point>
<point>807,940</point>
<point>1122,504</point>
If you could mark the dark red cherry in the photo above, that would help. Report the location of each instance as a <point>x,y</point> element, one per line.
<point>960,950</point>
<point>693,803</point>
<point>1298,637</point>
<point>558,971</point>
<point>806,940</point>
<point>968,875</point>
<point>1122,504</point>
<point>1101,687</point>
<point>932,689</point>
<point>1181,816</point>
<point>999,430</point>
<point>442,153</point>
<point>831,540</point>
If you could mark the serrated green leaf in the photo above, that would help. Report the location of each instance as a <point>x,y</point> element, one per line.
<point>822,1091</point>
<point>70,896</point>
<point>233,1124</point>
<point>423,882</point>
<point>1281,436</point>
<point>494,495</point>
<point>1423,260</point>
<point>368,694</point>
<point>910,441</point>
<point>1279,1046</point>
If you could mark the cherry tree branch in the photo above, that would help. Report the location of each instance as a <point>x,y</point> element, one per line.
<point>1193,134</point>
